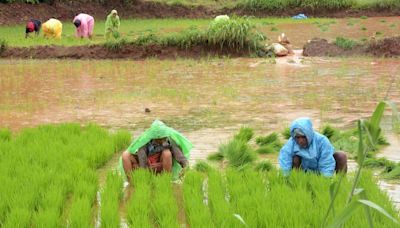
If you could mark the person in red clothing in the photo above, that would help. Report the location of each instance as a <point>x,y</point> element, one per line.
<point>33,25</point>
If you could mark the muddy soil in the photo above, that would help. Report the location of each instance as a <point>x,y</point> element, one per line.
<point>388,47</point>
<point>17,13</point>
<point>129,52</point>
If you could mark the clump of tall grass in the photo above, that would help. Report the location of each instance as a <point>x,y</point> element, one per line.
<point>345,43</point>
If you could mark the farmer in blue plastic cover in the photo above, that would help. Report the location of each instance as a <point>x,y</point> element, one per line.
<point>160,149</point>
<point>309,150</point>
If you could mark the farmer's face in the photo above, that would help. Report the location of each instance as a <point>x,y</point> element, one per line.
<point>301,140</point>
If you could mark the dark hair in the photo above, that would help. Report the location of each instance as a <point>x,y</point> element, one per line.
<point>77,23</point>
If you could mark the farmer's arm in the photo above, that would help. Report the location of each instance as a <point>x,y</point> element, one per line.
<point>142,157</point>
<point>178,154</point>
<point>286,157</point>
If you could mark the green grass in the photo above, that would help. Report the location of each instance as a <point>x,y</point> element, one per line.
<point>345,43</point>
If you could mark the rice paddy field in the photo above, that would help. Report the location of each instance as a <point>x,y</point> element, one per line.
<point>65,122</point>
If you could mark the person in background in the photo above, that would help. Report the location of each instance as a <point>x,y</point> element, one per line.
<point>309,150</point>
<point>52,28</point>
<point>33,25</point>
<point>112,25</point>
<point>84,24</point>
<point>160,149</point>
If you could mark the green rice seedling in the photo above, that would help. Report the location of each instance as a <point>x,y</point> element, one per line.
<point>239,153</point>
<point>235,33</point>
<point>81,213</point>
<point>245,134</point>
<point>394,173</point>
<point>197,212</point>
<point>110,199</point>
<point>116,45</point>
<point>345,43</point>
<point>379,163</point>
<point>330,132</point>
<point>222,213</point>
<point>18,217</point>
<point>363,28</point>
<point>266,149</point>
<point>202,166</point>
<point>146,39</point>
<point>363,17</point>
<point>286,133</point>
<point>47,218</point>
<point>185,39</point>
<point>383,21</point>
<point>121,140</point>
<point>217,156</point>
<point>392,25</point>
<point>264,166</point>
<point>165,216</point>
<point>5,134</point>
<point>139,205</point>
<point>269,139</point>
<point>350,24</point>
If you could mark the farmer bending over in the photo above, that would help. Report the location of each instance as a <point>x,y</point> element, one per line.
<point>52,28</point>
<point>33,25</point>
<point>309,150</point>
<point>112,25</point>
<point>84,24</point>
<point>160,148</point>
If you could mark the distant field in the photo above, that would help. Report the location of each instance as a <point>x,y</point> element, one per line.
<point>130,29</point>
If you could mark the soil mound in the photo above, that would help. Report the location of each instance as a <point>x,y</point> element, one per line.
<point>388,47</point>
<point>129,52</point>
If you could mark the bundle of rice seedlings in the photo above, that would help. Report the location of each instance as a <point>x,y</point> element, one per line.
<point>202,166</point>
<point>245,134</point>
<point>239,153</point>
<point>264,166</point>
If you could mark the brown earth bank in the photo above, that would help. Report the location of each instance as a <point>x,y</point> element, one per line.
<point>17,13</point>
<point>387,47</point>
<point>128,52</point>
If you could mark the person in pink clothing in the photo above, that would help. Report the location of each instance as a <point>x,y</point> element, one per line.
<point>84,24</point>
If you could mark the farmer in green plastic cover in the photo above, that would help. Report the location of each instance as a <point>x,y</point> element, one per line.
<point>160,149</point>
<point>112,25</point>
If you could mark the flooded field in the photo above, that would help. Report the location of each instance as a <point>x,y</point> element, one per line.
<point>209,99</point>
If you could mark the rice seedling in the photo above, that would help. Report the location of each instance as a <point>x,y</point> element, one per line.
<point>363,28</point>
<point>394,173</point>
<point>331,133</point>
<point>197,212</point>
<point>139,205</point>
<point>267,149</point>
<point>165,216</point>
<point>264,166</point>
<point>363,17</point>
<point>55,161</point>
<point>286,133</point>
<point>202,166</point>
<point>5,134</point>
<point>217,156</point>
<point>345,43</point>
<point>222,213</point>
<point>245,134</point>
<point>110,199</point>
<point>238,153</point>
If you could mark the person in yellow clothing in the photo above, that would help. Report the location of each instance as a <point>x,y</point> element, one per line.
<point>52,28</point>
